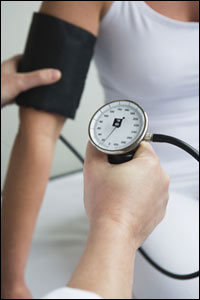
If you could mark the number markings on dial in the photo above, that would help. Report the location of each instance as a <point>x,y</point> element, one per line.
<point>122,136</point>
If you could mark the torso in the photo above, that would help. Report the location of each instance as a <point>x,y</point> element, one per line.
<point>186,11</point>
<point>149,53</point>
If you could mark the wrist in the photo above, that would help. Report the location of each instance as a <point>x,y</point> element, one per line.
<point>111,230</point>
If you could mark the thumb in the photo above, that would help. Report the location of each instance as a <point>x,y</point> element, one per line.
<point>38,78</point>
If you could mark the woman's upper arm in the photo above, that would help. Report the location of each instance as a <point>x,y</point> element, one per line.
<point>85,14</point>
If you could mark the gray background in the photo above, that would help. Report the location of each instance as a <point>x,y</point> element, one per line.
<point>15,21</point>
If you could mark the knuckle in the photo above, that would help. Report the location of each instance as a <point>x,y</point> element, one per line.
<point>165,204</point>
<point>20,82</point>
<point>154,163</point>
<point>160,217</point>
<point>164,213</point>
<point>167,200</point>
<point>44,75</point>
<point>40,75</point>
<point>167,179</point>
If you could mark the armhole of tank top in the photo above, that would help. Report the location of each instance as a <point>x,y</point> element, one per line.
<point>109,14</point>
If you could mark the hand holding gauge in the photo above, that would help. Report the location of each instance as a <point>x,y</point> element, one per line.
<point>117,128</point>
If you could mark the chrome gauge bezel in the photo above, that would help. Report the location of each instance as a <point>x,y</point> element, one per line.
<point>130,147</point>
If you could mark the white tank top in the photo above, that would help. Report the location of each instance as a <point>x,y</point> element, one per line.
<point>154,60</point>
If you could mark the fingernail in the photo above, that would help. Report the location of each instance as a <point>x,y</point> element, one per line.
<point>56,74</point>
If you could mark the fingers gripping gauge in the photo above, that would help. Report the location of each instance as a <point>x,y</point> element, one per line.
<point>117,129</point>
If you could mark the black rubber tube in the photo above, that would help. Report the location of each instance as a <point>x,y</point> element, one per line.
<point>72,149</point>
<point>161,138</point>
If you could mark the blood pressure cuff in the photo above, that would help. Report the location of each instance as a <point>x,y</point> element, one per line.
<point>54,43</point>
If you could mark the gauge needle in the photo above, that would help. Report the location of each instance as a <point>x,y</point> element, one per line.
<point>110,133</point>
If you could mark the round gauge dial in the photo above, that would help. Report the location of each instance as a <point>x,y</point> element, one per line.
<point>118,127</point>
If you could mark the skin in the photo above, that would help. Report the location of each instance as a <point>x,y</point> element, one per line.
<point>186,11</point>
<point>124,203</point>
<point>13,83</point>
<point>34,147</point>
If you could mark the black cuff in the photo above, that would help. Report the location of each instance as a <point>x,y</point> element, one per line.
<point>54,43</point>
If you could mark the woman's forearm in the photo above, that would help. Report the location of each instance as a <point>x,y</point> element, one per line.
<point>23,193</point>
<point>26,180</point>
<point>106,267</point>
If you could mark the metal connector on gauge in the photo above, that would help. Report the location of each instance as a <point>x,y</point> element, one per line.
<point>148,137</point>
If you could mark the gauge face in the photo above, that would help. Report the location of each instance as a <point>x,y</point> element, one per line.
<point>118,127</point>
